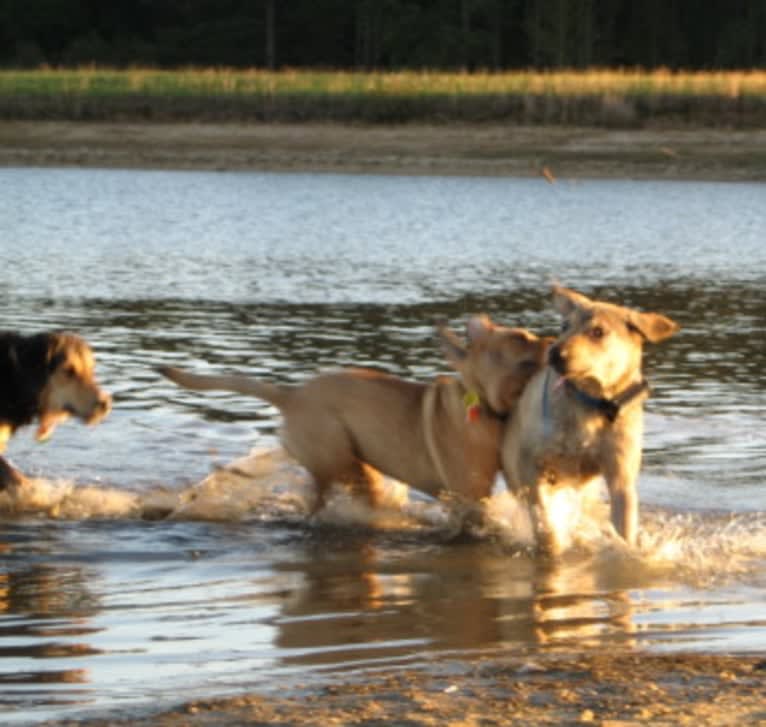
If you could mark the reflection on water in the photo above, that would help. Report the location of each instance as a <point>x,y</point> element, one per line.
<point>458,599</point>
<point>284,275</point>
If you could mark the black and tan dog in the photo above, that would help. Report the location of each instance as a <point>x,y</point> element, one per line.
<point>46,378</point>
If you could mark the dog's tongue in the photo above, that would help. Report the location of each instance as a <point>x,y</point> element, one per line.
<point>45,430</point>
<point>559,382</point>
<point>47,424</point>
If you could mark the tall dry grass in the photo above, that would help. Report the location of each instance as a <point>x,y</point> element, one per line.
<point>221,81</point>
<point>602,96</point>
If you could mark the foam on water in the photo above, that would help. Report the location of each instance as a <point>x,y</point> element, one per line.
<point>65,499</point>
<point>702,549</point>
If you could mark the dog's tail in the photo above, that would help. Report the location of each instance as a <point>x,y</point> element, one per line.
<point>239,384</point>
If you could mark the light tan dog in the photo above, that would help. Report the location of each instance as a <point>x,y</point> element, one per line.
<point>439,437</point>
<point>581,416</point>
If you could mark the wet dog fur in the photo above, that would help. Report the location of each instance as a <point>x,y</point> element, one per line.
<point>348,426</point>
<point>581,416</point>
<point>46,377</point>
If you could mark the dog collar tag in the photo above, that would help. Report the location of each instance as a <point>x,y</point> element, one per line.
<point>472,406</point>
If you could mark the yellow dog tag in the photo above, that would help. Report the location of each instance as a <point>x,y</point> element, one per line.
<point>472,405</point>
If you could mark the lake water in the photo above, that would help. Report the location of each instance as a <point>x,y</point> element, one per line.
<point>282,275</point>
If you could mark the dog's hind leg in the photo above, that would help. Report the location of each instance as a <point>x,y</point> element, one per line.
<point>364,481</point>
<point>325,449</point>
<point>368,482</point>
<point>322,486</point>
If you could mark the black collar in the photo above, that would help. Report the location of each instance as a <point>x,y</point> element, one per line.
<point>490,412</point>
<point>610,408</point>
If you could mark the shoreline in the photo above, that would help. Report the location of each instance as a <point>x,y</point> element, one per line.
<point>553,152</point>
<point>613,689</point>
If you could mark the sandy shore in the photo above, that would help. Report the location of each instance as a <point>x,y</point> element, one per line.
<point>613,690</point>
<point>492,149</point>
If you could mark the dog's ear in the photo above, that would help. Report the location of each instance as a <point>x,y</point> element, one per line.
<point>40,352</point>
<point>567,300</point>
<point>654,327</point>
<point>478,327</point>
<point>452,346</point>
<point>55,361</point>
<point>54,354</point>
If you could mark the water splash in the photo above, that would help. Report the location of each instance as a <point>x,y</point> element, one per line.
<point>64,499</point>
<point>706,549</point>
<point>702,549</point>
<point>266,484</point>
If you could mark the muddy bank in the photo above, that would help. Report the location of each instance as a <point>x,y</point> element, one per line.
<point>603,689</point>
<point>470,149</point>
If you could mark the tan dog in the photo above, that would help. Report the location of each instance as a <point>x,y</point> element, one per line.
<point>581,416</point>
<point>47,377</point>
<point>438,437</point>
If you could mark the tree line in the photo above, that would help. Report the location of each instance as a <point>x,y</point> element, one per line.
<point>385,34</point>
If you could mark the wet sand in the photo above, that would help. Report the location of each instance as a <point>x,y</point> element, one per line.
<point>615,689</point>
<point>555,152</point>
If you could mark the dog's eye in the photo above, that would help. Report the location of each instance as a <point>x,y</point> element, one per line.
<point>69,371</point>
<point>564,325</point>
<point>596,332</point>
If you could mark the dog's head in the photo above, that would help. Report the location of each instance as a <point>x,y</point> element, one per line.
<point>600,346</point>
<point>70,387</point>
<point>497,363</point>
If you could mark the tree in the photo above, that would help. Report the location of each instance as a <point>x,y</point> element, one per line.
<point>271,35</point>
<point>383,34</point>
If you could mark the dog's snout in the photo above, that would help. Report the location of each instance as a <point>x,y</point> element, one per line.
<point>556,359</point>
<point>105,403</point>
<point>102,407</point>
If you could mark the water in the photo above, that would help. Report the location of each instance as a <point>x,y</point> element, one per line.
<point>282,275</point>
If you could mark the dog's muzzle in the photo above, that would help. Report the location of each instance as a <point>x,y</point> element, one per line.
<point>100,409</point>
<point>556,360</point>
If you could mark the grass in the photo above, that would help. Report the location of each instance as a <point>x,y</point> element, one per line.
<point>601,96</point>
<point>226,81</point>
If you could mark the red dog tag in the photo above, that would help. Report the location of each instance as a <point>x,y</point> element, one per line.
<point>472,406</point>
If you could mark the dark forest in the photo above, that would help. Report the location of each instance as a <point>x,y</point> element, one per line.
<point>385,34</point>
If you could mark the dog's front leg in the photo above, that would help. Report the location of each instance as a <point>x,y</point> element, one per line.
<point>624,510</point>
<point>5,435</point>
<point>550,531</point>
<point>621,480</point>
